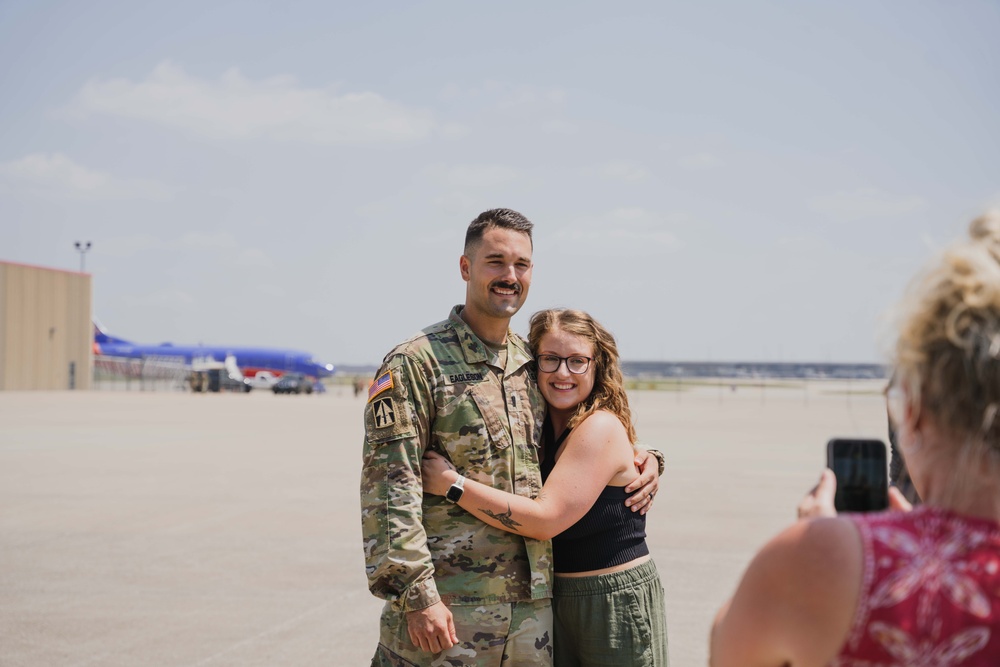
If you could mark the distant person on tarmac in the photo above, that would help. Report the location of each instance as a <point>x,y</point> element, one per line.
<point>457,590</point>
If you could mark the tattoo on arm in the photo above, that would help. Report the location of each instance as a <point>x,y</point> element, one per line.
<point>504,518</point>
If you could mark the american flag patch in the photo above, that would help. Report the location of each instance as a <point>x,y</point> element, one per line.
<point>380,385</point>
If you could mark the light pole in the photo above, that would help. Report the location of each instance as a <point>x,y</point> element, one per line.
<point>82,248</point>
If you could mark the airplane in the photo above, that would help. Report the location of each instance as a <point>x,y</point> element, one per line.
<point>249,360</point>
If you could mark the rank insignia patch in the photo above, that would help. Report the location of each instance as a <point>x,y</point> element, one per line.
<point>381,384</point>
<point>384,412</point>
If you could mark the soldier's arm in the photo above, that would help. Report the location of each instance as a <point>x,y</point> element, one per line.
<point>397,559</point>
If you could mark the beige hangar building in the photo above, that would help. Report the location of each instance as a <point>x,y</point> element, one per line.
<point>46,335</point>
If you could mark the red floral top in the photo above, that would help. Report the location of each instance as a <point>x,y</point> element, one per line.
<point>930,594</point>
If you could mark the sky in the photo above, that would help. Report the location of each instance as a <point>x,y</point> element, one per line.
<point>714,181</point>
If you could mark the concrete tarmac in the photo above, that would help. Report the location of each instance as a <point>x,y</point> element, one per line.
<point>171,529</point>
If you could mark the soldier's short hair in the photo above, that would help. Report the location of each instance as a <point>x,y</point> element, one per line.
<point>502,218</point>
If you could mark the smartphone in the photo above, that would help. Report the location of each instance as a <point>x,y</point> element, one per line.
<point>862,471</point>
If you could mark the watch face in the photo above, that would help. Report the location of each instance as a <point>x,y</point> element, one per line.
<point>455,493</point>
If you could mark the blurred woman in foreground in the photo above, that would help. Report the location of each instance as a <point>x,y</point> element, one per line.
<point>902,588</point>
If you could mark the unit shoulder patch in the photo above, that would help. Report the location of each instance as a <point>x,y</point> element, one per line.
<point>387,415</point>
<point>384,412</point>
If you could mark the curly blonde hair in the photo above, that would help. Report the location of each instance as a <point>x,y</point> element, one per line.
<point>947,354</point>
<point>609,384</point>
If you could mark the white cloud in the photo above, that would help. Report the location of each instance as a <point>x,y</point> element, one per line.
<point>462,188</point>
<point>270,289</point>
<point>224,245</point>
<point>506,96</point>
<point>472,176</point>
<point>560,127</point>
<point>166,299</point>
<point>127,246</point>
<point>866,203</point>
<point>236,107</point>
<point>497,108</point>
<point>456,204</point>
<point>227,247</point>
<point>208,240</point>
<point>56,175</point>
<point>530,97</point>
<point>493,104</point>
<point>800,244</point>
<point>930,242</point>
<point>624,230</point>
<point>699,161</point>
<point>454,131</point>
<point>374,210</point>
<point>623,170</point>
<point>254,258</point>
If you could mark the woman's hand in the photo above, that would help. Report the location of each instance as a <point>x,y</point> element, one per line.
<point>438,474</point>
<point>819,501</point>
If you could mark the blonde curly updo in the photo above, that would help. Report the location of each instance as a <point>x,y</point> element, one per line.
<point>947,356</point>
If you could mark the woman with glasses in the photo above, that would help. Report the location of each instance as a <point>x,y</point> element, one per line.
<point>608,600</point>
<point>919,587</point>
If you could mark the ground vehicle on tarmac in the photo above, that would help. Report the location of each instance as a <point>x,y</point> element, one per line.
<point>293,383</point>
<point>262,380</point>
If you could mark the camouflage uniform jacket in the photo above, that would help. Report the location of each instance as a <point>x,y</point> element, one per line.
<point>437,391</point>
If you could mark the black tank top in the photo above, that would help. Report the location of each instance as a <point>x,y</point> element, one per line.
<point>609,533</point>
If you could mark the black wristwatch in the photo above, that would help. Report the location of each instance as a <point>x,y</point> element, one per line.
<point>455,492</point>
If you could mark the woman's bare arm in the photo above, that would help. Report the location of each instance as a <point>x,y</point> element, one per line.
<point>796,601</point>
<point>596,452</point>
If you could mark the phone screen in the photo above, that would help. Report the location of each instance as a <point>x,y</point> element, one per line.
<point>862,474</point>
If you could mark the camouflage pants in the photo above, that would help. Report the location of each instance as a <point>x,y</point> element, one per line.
<point>517,634</point>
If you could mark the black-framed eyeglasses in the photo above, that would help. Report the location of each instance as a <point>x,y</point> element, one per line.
<point>549,363</point>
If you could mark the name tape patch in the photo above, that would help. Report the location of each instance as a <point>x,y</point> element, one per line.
<point>465,377</point>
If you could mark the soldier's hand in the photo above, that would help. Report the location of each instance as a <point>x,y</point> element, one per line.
<point>436,472</point>
<point>432,629</point>
<point>648,482</point>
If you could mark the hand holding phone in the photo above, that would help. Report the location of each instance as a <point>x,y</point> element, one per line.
<point>862,471</point>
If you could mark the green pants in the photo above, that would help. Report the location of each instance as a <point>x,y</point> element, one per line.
<point>611,619</point>
<point>490,635</point>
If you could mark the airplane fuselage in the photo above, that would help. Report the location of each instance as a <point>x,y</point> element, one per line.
<point>250,360</point>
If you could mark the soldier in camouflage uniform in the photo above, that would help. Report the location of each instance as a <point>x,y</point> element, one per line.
<point>458,591</point>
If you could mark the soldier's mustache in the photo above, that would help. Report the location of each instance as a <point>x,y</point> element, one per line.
<point>504,285</point>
